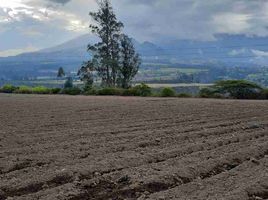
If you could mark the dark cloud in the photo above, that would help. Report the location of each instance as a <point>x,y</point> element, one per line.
<point>60,1</point>
<point>151,20</point>
<point>192,19</point>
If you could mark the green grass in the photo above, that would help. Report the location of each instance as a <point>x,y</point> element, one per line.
<point>45,82</point>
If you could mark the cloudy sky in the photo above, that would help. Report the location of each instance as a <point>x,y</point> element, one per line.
<point>29,25</point>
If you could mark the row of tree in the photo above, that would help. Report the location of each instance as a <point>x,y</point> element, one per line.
<point>114,59</point>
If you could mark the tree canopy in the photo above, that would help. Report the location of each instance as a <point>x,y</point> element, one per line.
<point>237,89</point>
<point>114,57</point>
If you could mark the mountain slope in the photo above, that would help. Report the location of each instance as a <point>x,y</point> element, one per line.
<point>225,50</point>
<point>76,43</point>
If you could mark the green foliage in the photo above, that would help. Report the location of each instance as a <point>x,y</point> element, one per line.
<point>239,89</point>
<point>8,88</point>
<point>24,90</point>
<point>68,83</point>
<point>87,87</point>
<point>142,90</point>
<point>130,92</point>
<point>55,90</point>
<point>168,92</point>
<point>110,91</point>
<point>265,93</point>
<point>208,93</point>
<point>129,62</point>
<point>71,91</point>
<point>41,90</point>
<point>184,95</point>
<point>29,90</point>
<point>91,91</point>
<point>114,57</point>
<point>139,90</point>
<point>106,52</point>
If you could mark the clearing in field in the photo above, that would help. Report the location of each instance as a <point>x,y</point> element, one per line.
<point>101,148</point>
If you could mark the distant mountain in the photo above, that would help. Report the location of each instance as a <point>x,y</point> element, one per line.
<point>69,55</point>
<point>80,42</point>
<point>225,50</point>
<point>228,49</point>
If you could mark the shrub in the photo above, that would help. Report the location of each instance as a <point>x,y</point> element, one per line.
<point>208,93</point>
<point>239,89</point>
<point>71,91</point>
<point>110,91</point>
<point>265,94</point>
<point>184,95</point>
<point>41,90</point>
<point>140,90</point>
<point>24,90</point>
<point>8,88</point>
<point>55,90</point>
<point>91,91</point>
<point>130,92</point>
<point>168,92</point>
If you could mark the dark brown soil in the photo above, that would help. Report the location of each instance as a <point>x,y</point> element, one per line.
<point>101,148</point>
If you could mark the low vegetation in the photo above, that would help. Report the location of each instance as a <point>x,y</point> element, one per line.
<point>41,90</point>
<point>71,91</point>
<point>142,90</point>
<point>8,88</point>
<point>234,89</point>
<point>168,92</point>
<point>228,89</point>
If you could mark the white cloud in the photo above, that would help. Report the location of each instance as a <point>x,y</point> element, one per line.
<point>40,10</point>
<point>236,52</point>
<point>77,25</point>
<point>13,4</point>
<point>231,23</point>
<point>259,53</point>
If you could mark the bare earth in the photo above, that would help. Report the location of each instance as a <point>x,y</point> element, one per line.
<point>63,147</point>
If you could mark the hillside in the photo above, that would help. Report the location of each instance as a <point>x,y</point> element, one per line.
<point>224,51</point>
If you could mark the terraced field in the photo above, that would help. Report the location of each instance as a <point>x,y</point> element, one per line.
<point>101,148</point>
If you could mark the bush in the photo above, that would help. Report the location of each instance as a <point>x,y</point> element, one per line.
<point>207,93</point>
<point>91,91</point>
<point>8,88</point>
<point>130,92</point>
<point>110,91</point>
<point>41,90</point>
<point>184,95</point>
<point>239,89</point>
<point>140,90</point>
<point>55,90</point>
<point>24,90</point>
<point>265,94</point>
<point>168,92</point>
<point>88,87</point>
<point>71,91</point>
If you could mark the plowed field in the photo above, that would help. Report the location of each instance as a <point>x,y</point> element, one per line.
<point>101,148</point>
